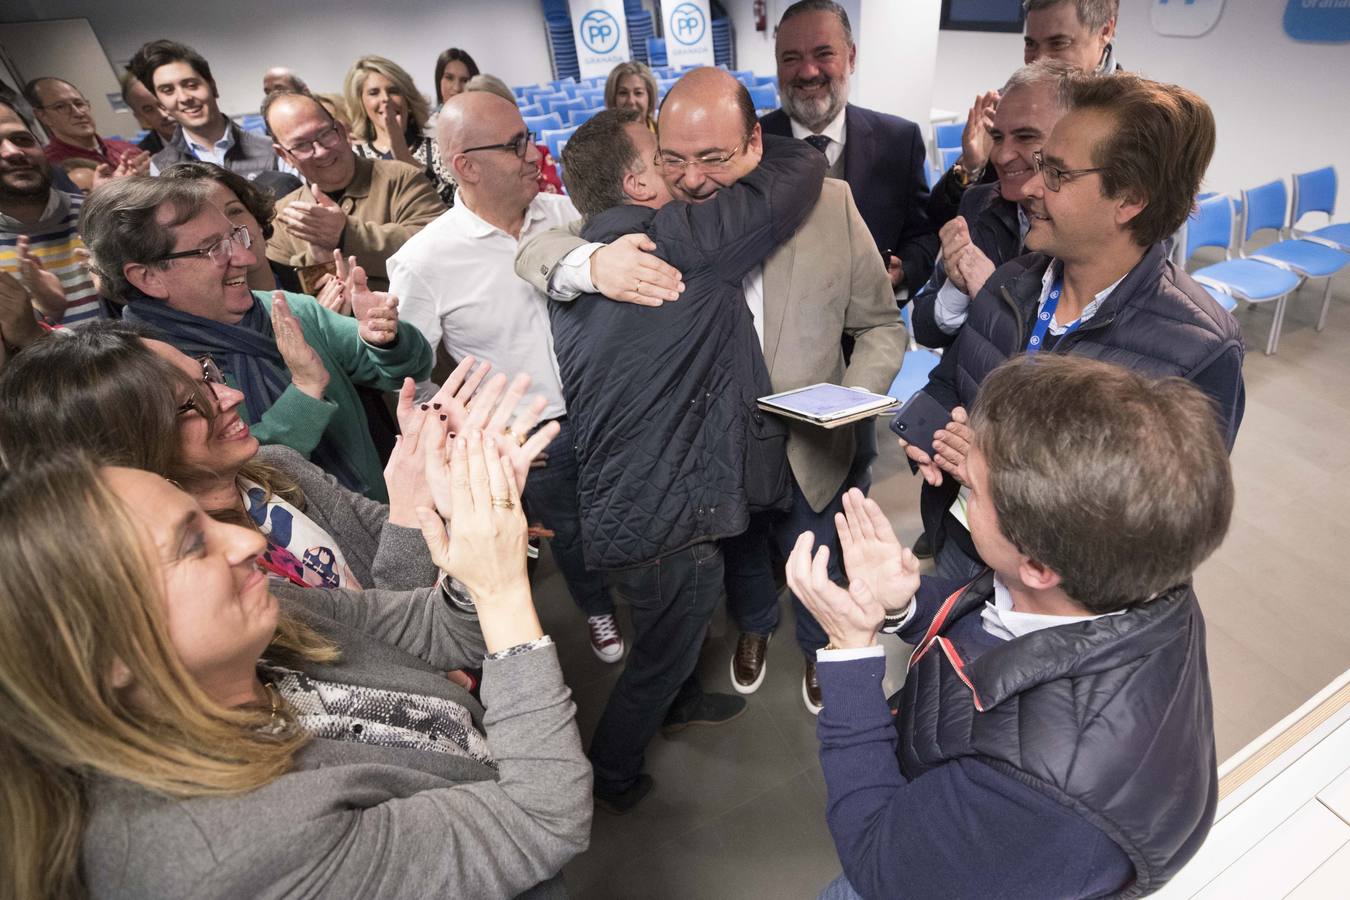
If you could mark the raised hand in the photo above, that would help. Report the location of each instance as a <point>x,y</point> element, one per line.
<point>851,618</point>
<point>976,143</point>
<point>405,473</point>
<point>497,410</point>
<point>335,291</point>
<point>376,312</point>
<point>629,272</point>
<point>18,326</point>
<point>955,237</point>
<point>45,289</point>
<point>952,443</point>
<point>874,558</point>
<point>449,403</point>
<point>320,224</point>
<point>308,373</point>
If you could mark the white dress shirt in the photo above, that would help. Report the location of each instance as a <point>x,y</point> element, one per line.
<point>456,283</point>
<point>835,131</point>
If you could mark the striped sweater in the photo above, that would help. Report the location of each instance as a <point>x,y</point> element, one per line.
<point>54,240</point>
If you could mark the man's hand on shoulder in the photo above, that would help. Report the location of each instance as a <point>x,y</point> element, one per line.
<point>629,271</point>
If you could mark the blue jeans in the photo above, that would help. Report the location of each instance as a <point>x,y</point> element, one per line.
<point>551,498</point>
<point>752,591</point>
<point>672,599</point>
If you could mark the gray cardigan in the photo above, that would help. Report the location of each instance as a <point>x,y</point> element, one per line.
<point>380,555</point>
<point>360,821</point>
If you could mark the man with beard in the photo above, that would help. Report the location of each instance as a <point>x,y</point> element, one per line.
<point>880,156</point>
<point>38,238</point>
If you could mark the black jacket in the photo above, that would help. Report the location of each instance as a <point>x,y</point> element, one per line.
<point>884,161</point>
<point>1158,321</point>
<point>994,229</point>
<point>670,447</point>
<point>1112,718</point>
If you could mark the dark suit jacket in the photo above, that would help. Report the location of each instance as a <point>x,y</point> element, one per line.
<point>883,165</point>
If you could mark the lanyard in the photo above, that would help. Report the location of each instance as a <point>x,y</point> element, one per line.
<point>1046,314</point>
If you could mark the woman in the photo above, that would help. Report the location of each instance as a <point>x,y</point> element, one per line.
<point>297,363</point>
<point>77,393</point>
<point>454,68</point>
<point>389,117</point>
<point>550,182</point>
<point>631,85</point>
<point>168,725</point>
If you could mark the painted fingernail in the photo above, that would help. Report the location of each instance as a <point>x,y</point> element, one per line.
<point>424,407</point>
<point>444,417</point>
<point>436,405</point>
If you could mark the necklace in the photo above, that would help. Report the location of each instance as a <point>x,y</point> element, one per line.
<point>277,725</point>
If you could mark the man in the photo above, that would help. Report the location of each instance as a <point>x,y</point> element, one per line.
<point>825,284</point>
<point>367,208</point>
<point>672,454</point>
<point>280,78</point>
<point>880,156</point>
<point>456,284</point>
<point>1080,33</point>
<point>1116,177</point>
<point>180,78</point>
<point>990,228</point>
<point>1055,734</point>
<point>150,115</point>
<point>65,113</point>
<point>38,236</point>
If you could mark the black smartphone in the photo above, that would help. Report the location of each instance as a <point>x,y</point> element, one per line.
<point>918,419</point>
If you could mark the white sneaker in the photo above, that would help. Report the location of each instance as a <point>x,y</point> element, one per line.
<point>605,638</point>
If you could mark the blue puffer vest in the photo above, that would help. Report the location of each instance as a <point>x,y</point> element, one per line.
<point>1111,718</point>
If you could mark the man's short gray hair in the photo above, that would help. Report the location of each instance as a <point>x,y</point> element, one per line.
<point>829,6</point>
<point>492,84</point>
<point>119,225</point>
<point>1053,73</point>
<point>1092,13</point>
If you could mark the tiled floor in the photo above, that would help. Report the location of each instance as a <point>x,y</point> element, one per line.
<point>738,811</point>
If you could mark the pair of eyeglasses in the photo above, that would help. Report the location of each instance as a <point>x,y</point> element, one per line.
<point>329,139</point>
<point>211,374</point>
<point>519,145</point>
<point>1055,176</point>
<point>66,107</point>
<point>673,165</point>
<point>219,252</point>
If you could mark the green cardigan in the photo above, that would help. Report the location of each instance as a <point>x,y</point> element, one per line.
<point>298,420</point>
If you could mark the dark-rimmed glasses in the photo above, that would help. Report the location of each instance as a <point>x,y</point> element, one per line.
<point>211,374</point>
<point>673,165</point>
<point>66,107</point>
<point>1055,176</point>
<point>329,139</point>
<point>219,252</point>
<point>519,145</point>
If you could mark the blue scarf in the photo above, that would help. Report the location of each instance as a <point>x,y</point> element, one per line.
<point>248,354</point>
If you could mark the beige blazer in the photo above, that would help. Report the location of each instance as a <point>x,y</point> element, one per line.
<point>826,282</point>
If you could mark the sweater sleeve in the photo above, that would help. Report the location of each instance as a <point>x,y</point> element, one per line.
<point>382,368</point>
<point>959,830</point>
<point>295,420</point>
<point>419,622</point>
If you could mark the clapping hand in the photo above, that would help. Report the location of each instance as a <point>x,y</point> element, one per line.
<point>308,373</point>
<point>851,618</point>
<point>873,556</point>
<point>628,271</point>
<point>976,143</point>
<point>45,291</point>
<point>967,266</point>
<point>335,291</point>
<point>376,312</point>
<point>320,223</point>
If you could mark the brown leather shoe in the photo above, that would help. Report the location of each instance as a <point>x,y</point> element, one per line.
<point>748,663</point>
<point>811,689</point>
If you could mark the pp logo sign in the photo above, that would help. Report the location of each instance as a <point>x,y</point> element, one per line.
<point>599,31</point>
<point>1185,18</point>
<point>688,24</point>
<point>1318,21</point>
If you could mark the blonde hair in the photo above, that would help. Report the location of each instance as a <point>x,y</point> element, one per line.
<point>80,593</point>
<point>336,105</point>
<point>641,70</point>
<point>355,83</point>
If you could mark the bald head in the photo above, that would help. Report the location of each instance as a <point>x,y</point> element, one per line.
<point>280,78</point>
<point>474,118</point>
<point>282,109</point>
<point>707,123</point>
<point>308,137</point>
<point>704,96</point>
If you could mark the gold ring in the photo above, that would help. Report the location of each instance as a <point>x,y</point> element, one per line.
<point>515,436</point>
<point>503,503</point>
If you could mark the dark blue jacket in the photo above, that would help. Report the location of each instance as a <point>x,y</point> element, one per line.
<point>884,159</point>
<point>671,448</point>
<point>1076,761</point>
<point>1158,322</point>
<point>994,230</point>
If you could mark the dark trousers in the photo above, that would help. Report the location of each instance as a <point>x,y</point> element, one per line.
<point>752,589</point>
<point>672,600</point>
<point>551,498</point>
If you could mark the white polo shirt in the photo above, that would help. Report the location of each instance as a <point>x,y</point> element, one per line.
<point>456,283</point>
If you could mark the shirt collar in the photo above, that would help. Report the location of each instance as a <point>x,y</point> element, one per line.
<point>475,226</point>
<point>1052,272</point>
<point>834,131</point>
<point>225,143</point>
<point>1006,623</point>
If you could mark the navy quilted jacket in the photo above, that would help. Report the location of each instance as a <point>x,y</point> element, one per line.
<point>670,447</point>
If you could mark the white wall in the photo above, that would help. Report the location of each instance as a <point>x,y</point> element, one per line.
<point>242,38</point>
<point>1280,105</point>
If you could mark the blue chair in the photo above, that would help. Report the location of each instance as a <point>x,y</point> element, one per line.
<point>1265,207</point>
<point>1225,299</point>
<point>1316,192</point>
<point>554,139</point>
<point>563,107</point>
<point>915,368</point>
<point>948,135</point>
<point>560,83</point>
<point>948,156</point>
<point>1211,225</point>
<point>533,109</point>
<point>577,116</point>
<point>539,124</point>
<point>765,96</point>
<point>593,97</point>
<point>656,52</point>
<point>550,101</point>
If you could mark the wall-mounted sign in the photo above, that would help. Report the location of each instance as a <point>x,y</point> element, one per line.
<point>1185,18</point>
<point>688,28</point>
<point>1318,21</point>
<point>601,35</point>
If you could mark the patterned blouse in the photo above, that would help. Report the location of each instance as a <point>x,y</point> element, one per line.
<point>425,151</point>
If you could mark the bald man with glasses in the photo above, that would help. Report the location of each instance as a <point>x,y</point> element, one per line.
<point>367,208</point>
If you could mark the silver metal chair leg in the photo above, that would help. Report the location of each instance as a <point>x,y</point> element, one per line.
<point>1273,340</point>
<point>1326,305</point>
